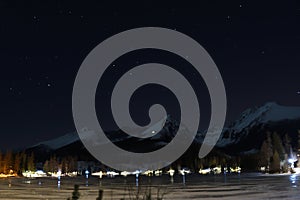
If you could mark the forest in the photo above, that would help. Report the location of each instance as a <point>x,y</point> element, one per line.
<point>276,155</point>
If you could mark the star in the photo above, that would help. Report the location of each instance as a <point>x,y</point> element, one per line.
<point>298,92</point>
<point>49,85</point>
<point>35,18</point>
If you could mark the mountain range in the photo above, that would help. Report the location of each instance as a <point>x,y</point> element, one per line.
<point>243,136</point>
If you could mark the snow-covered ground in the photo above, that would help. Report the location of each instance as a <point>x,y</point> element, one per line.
<point>243,186</point>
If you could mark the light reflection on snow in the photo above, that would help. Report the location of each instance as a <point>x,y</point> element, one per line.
<point>293,179</point>
<point>211,186</point>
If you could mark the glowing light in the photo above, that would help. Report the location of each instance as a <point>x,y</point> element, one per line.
<point>36,174</point>
<point>125,173</point>
<point>136,172</point>
<point>7,175</point>
<point>292,160</point>
<point>71,174</point>
<point>111,173</point>
<point>100,174</point>
<point>293,179</point>
<point>263,169</point>
<point>87,174</point>
<point>148,172</point>
<point>171,172</point>
<point>297,170</point>
<point>205,171</point>
<point>158,172</point>
<point>217,170</point>
<point>236,170</point>
<point>184,171</point>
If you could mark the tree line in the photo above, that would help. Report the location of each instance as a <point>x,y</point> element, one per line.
<point>273,156</point>
<point>276,151</point>
<point>65,165</point>
<point>17,163</point>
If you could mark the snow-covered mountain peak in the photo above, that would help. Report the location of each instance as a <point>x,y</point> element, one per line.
<point>256,119</point>
<point>269,112</point>
<point>251,123</point>
<point>61,141</point>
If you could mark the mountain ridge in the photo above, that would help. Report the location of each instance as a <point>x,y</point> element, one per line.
<point>243,135</point>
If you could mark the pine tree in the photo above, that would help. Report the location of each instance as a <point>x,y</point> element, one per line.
<point>8,161</point>
<point>213,162</point>
<point>287,143</point>
<point>275,164</point>
<point>30,163</point>
<point>64,165</point>
<point>264,155</point>
<point>46,166</point>
<point>1,163</point>
<point>72,162</point>
<point>298,149</point>
<point>17,163</point>
<point>277,145</point>
<point>298,141</point>
<point>298,145</point>
<point>266,152</point>
<point>53,164</point>
<point>269,150</point>
<point>23,166</point>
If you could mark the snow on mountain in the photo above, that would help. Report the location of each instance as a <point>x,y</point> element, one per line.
<point>240,132</point>
<point>59,142</point>
<point>168,129</point>
<point>71,138</point>
<point>270,113</point>
<point>167,126</point>
<point>277,113</point>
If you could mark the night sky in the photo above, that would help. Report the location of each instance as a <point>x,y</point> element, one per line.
<point>255,45</point>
